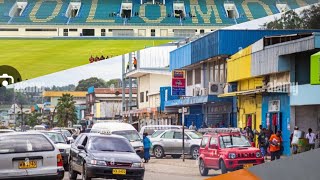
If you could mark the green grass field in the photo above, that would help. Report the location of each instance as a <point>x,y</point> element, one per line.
<point>38,57</point>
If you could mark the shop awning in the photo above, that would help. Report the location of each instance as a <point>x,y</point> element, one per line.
<point>242,93</point>
<point>195,100</point>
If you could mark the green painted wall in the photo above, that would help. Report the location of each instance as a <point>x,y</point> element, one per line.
<point>315,69</point>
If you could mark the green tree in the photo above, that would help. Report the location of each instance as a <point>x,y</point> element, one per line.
<point>289,20</point>
<point>311,17</point>
<point>33,119</point>
<point>114,82</point>
<point>84,84</point>
<point>66,110</point>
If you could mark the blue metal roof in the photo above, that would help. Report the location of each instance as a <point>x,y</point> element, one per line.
<point>220,42</point>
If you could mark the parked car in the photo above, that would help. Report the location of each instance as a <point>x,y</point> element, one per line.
<point>71,130</point>
<point>169,142</point>
<point>39,127</point>
<point>29,155</point>
<point>95,155</point>
<point>123,129</point>
<point>61,143</point>
<point>150,129</point>
<point>227,151</point>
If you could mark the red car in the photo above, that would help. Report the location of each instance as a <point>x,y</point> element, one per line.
<point>227,151</point>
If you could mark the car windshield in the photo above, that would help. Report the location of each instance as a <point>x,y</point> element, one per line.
<point>194,135</point>
<point>55,137</point>
<point>233,141</point>
<point>131,135</point>
<point>67,133</point>
<point>110,144</point>
<point>22,143</point>
<point>157,133</point>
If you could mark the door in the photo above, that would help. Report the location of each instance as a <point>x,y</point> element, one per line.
<point>204,149</point>
<point>213,153</point>
<point>177,146</point>
<point>76,160</point>
<point>168,142</point>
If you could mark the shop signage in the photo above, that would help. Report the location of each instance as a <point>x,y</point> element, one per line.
<point>274,106</point>
<point>178,83</point>
<point>315,69</point>
<point>219,109</point>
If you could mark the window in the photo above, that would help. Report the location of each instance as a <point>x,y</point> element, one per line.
<point>141,97</point>
<point>168,135</point>
<point>55,137</point>
<point>147,98</point>
<point>234,141</point>
<point>204,142</point>
<point>189,78</point>
<point>153,32</point>
<point>84,143</point>
<point>73,30</point>
<point>109,144</point>
<point>213,141</point>
<point>198,76</point>
<point>24,143</point>
<point>222,71</point>
<point>201,31</point>
<point>131,135</point>
<point>177,135</point>
<point>216,71</point>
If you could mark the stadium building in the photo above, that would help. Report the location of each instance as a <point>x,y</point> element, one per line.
<point>141,18</point>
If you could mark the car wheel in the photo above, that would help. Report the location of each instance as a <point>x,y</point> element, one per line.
<point>72,174</point>
<point>195,152</point>
<point>158,152</point>
<point>176,156</point>
<point>202,168</point>
<point>223,167</point>
<point>84,173</point>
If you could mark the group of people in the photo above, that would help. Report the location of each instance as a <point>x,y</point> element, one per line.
<point>135,62</point>
<point>311,138</point>
<point>97,58</point>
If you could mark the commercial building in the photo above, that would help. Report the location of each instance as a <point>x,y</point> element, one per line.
<point>277,86</point>
<point>204,61</point>
<point>151,72</point>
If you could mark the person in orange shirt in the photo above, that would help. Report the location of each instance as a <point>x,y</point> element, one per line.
<point>275,145</point>
<point>135,62</point>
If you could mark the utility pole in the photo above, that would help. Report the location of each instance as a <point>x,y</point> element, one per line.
<point>183,110</point>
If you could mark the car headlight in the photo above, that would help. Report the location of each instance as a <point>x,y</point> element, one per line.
<point>232,155</point>
<point>97,162</point>
<point>137,165</point>
<point>258,154</point>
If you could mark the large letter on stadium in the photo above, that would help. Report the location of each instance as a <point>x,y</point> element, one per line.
<point>248,12</point>
<point>211,7</point>
<point>93,13</point>
<point>142,14</point>
<point>55,12</point>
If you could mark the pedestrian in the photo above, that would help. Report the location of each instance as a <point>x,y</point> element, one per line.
<point>263,142</point>
<point>311,138</point>
<point>97,59</point>
<point>102,57</point>
<point>294,146</point>
<point>275,142</point>
<point>128,66</point>
<point>146,147</point>
<point>192,126</point>
<point>135,62</point>
<point>91,59</point>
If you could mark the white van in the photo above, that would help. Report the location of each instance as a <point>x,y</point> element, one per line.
<point>124,129</point>
<point>39,127</point>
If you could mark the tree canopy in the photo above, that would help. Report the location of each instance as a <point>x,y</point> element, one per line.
<point>84,84</point>
<point>66,110</point>
<point>307,19</point>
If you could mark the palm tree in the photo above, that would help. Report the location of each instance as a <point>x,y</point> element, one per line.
<point>66,110</point>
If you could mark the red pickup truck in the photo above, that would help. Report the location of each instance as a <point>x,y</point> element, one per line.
<point>227,151</point>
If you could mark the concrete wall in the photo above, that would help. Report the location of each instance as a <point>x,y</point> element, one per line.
<point>305,95</point>
<point>307,117</point>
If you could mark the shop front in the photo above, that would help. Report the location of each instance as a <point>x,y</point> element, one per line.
<point>276,116</point>
<point>220,115</point>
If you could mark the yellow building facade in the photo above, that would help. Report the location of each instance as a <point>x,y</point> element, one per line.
<point>249,99</point>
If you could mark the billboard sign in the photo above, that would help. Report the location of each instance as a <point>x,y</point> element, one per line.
<point>315,69</point>
<point>178,83</point>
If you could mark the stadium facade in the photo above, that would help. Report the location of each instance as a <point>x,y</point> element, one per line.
<point>162,18</point>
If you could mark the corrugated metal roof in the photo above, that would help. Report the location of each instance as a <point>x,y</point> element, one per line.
<point>59,93</point>
<point>220,42</point>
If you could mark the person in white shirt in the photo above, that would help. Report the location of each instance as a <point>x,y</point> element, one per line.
<point>192,126</point>
<point>311,138</point>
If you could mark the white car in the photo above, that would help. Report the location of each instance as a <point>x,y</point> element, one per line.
<point>6,131</point>
<point>61,143</point>
<point>29,155</point>
<point>150,129</point>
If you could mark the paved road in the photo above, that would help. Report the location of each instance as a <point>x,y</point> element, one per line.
<point>175,169</point>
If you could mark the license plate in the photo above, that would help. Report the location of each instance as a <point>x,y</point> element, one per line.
<point>246,166</point>
<point>119,171</point>
<point>27,165</point>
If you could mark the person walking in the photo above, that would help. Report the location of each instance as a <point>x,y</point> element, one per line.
<point>311,138</point>
<point>294,146</point>
<point>263,142</point>
<point>146,147</point>
<point>275,142</point>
